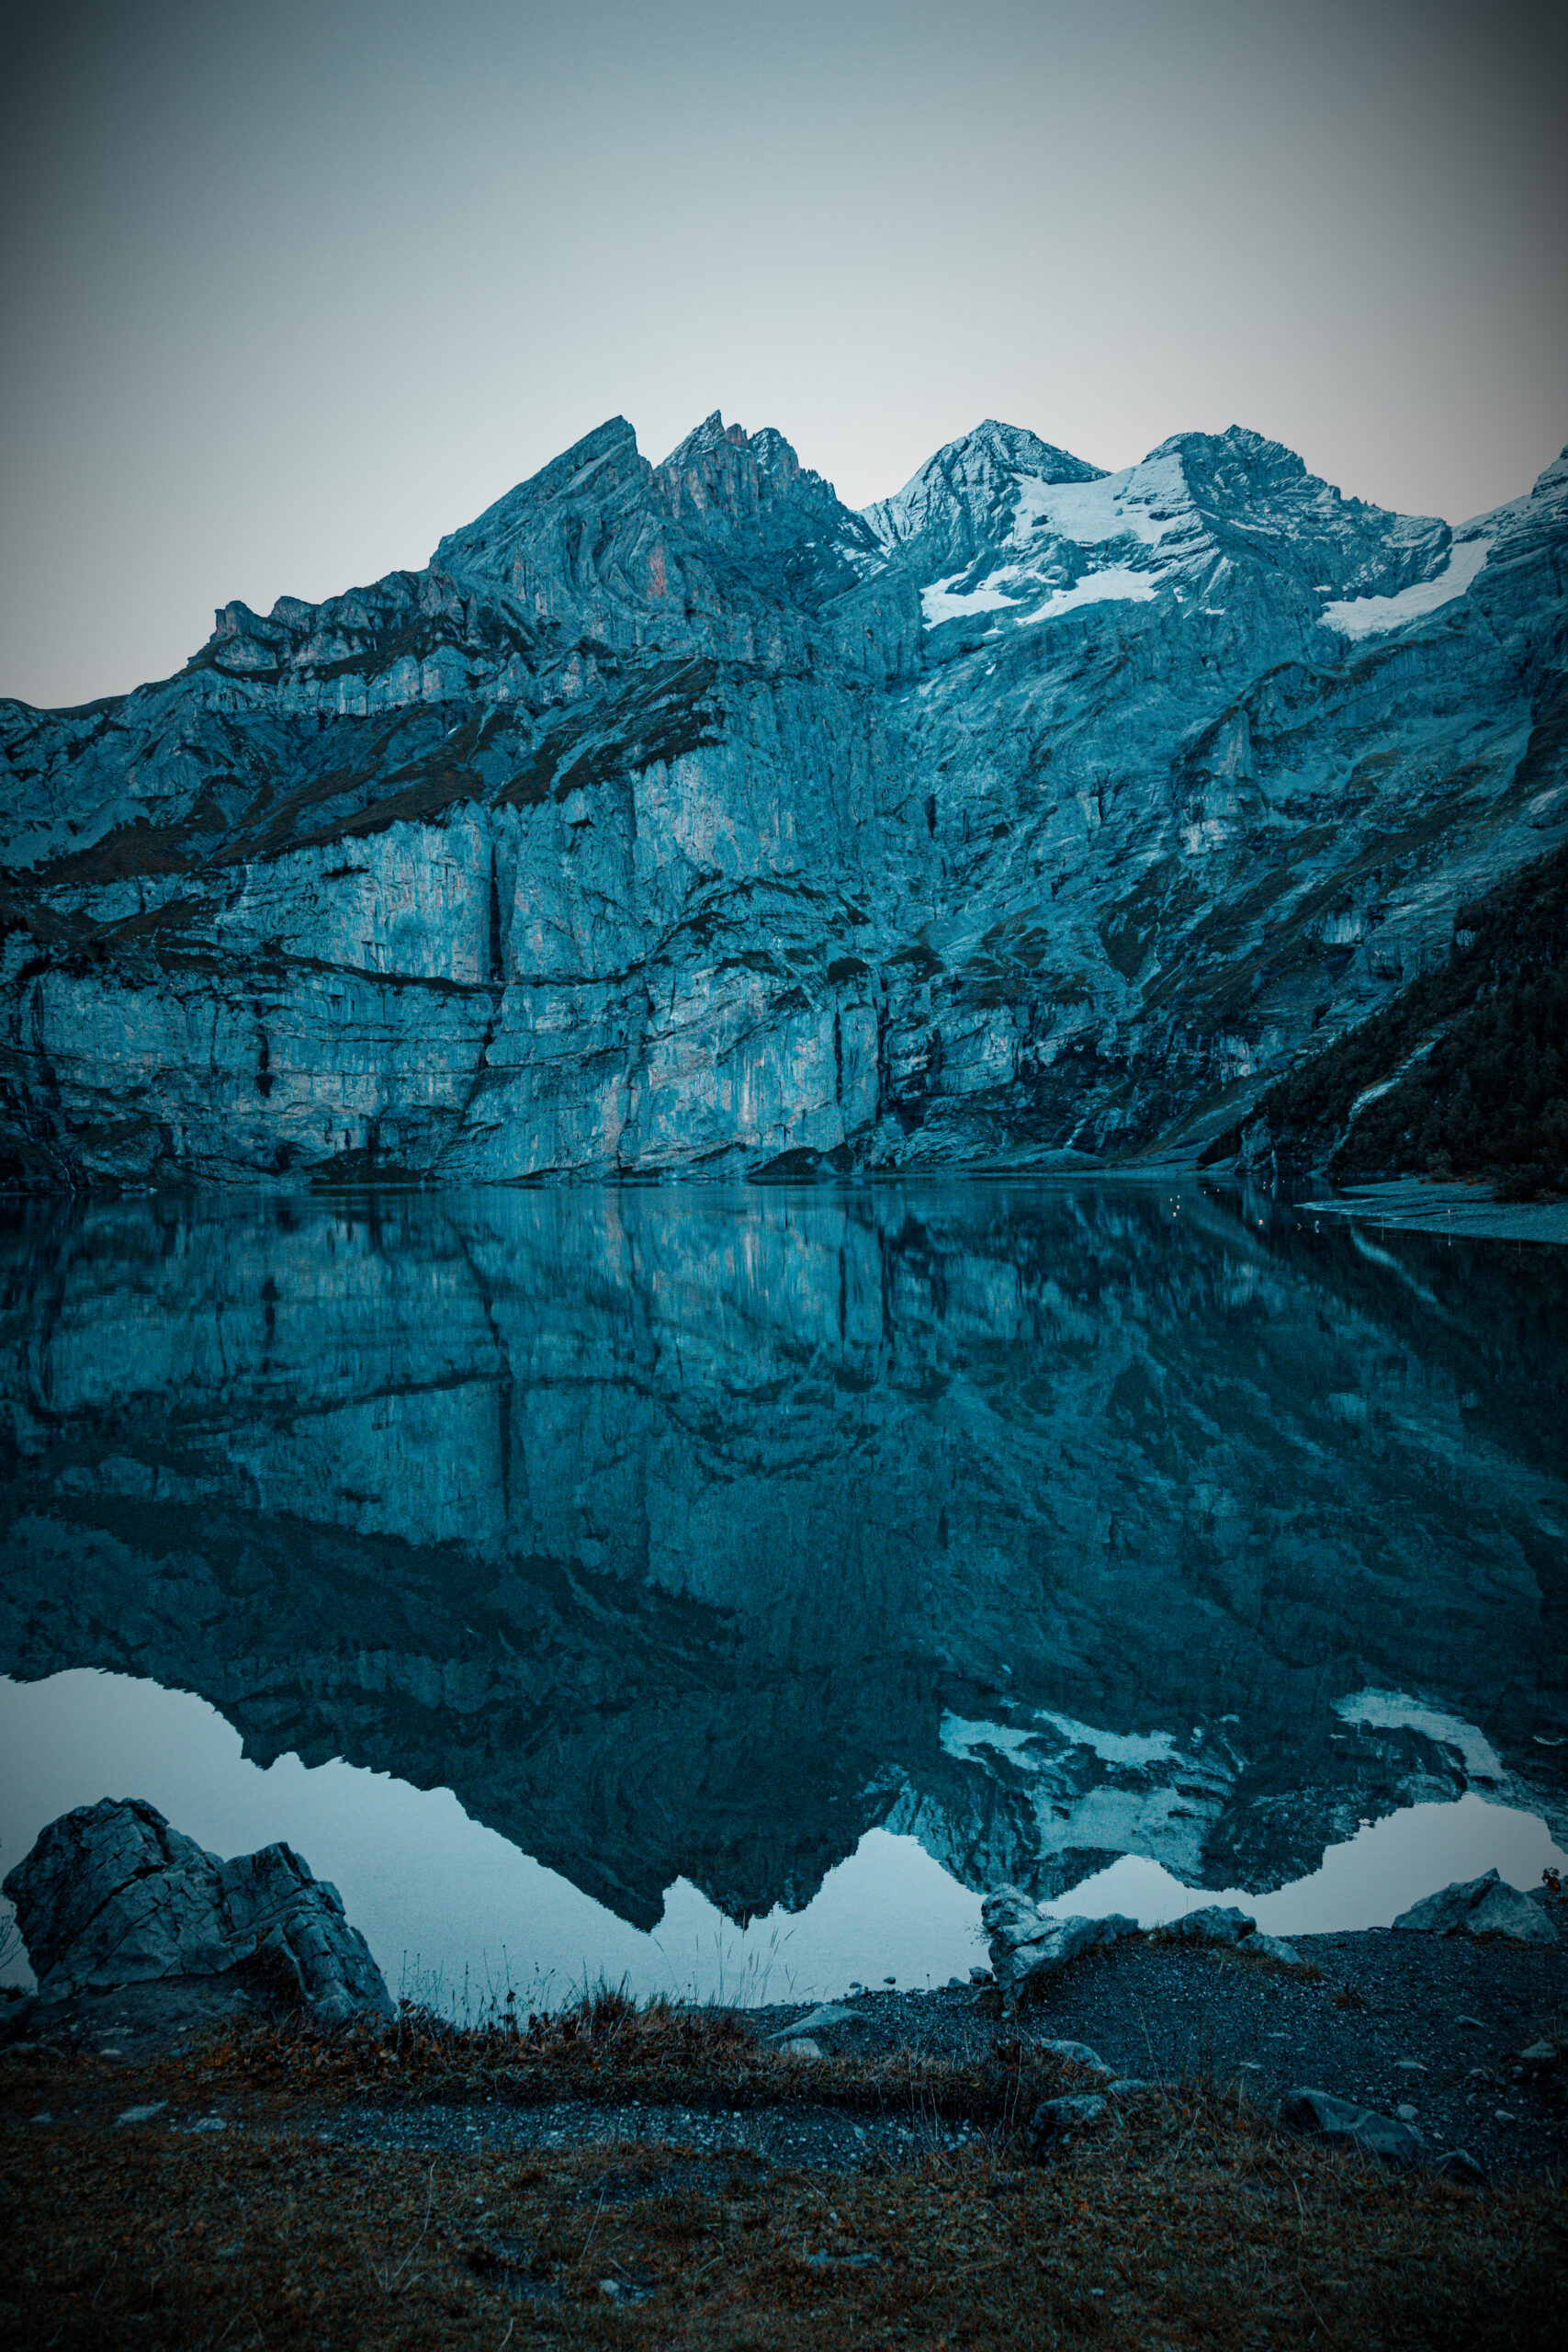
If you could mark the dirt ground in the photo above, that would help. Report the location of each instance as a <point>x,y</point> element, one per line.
<point>677,2178</point>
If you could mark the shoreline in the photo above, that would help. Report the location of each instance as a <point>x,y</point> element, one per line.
<point>1460,1212</point>
<point>680,2181</point>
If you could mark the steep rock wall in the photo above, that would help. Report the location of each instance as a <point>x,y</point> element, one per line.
<point>676,818</point>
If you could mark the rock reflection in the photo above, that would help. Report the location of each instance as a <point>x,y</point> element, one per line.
<point>693,1532</point>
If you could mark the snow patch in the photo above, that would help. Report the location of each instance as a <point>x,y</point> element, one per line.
<point>1114,1747</point>
<point>961,1738</point>
<point>1117,583</point>
<point>1117,507</point>
<point>1392,1711</point>
<point>1374,616</point>
<point>942,602</point>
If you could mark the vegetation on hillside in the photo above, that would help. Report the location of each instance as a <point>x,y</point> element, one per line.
<point>1472,1059</point>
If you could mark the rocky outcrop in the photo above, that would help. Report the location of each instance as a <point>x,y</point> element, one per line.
<point>1026,1945</point>
<point>110,1895</point>
<point>1480,1907</point>
<point>676,818</point>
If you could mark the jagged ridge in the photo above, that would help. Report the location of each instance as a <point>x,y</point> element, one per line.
<point>675,816</point>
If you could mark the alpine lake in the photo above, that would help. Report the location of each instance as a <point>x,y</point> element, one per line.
<point>720,1588</point>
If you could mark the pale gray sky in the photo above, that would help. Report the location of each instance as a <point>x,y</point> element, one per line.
<point>290,291</point>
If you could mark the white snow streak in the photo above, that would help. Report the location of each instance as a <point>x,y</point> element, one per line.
<point>1392,1711</point>
<point>1373,616</point>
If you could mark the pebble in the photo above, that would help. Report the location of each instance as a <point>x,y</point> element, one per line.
<point>141,2114</point>
<point>1405,2112</point>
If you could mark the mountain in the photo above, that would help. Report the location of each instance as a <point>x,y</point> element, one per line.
<point>681,1531</point>
<point>677,818</point>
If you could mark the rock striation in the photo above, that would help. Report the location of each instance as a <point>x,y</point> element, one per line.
<point>110,1895</point>
<point>676,818</point>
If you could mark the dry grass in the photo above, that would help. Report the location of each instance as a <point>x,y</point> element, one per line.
<point>1191,2224</point>
<point>604,2046</point>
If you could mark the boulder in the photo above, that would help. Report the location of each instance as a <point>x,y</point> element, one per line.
<point>1480,1907</point>
<point>1321,2116</point>
<point>1214,1924</point>
<point>1025,1944</point>
<point>111,1895</point>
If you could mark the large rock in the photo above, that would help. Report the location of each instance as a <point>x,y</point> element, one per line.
<point>111,1895</point>
<point>1321,2116</point>
<point>1480,1907</point>
<point>1025,1944</point>
<point>1214,1924</point>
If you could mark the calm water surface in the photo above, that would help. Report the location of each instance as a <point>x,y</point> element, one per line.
<point>724,1588</point>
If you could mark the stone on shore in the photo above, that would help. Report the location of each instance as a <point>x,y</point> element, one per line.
<point>1480,1907</point>
<point>111,1895</point>
<point>1321,2116</point>
<point>816,2020</point>
<point>1059,2119</point>
<point>1261,1947</point>
<point>1080,2055</point>
<point>1025,1944</point>
<point>1214,1924</point>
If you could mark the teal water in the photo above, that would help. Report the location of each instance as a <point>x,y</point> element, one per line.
<point>690,1580</point>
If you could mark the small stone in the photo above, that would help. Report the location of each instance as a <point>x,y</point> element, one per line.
<point>1131,2087</point>
<point>1261,1947</point>
<point>1406,2113</point>
<point>802,2046</point>
<point>210,2123</point>
<point>1476,2022</point>
<point>1504,2116</point>
<point>43,2115</point>
<point>1459,2166</point>
<point>1409,2066</point>
<point>141,2114</point>
<point>1540,2054</point>
<point>1079,2053</point>
<point>815,2021</point>
<point>1058,2119</point>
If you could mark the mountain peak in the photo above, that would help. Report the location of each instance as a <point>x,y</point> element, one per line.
<point>601,462</point>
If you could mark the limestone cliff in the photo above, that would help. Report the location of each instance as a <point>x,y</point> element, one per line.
<point>676,818</point>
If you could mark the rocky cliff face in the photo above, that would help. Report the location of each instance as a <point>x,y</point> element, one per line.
<point>675,818</point>
<point>694,1532</point>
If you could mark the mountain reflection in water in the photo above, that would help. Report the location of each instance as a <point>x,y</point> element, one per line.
<point>691,1532</point>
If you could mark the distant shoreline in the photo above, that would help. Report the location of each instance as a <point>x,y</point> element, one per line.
<point>1469,1211</point>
